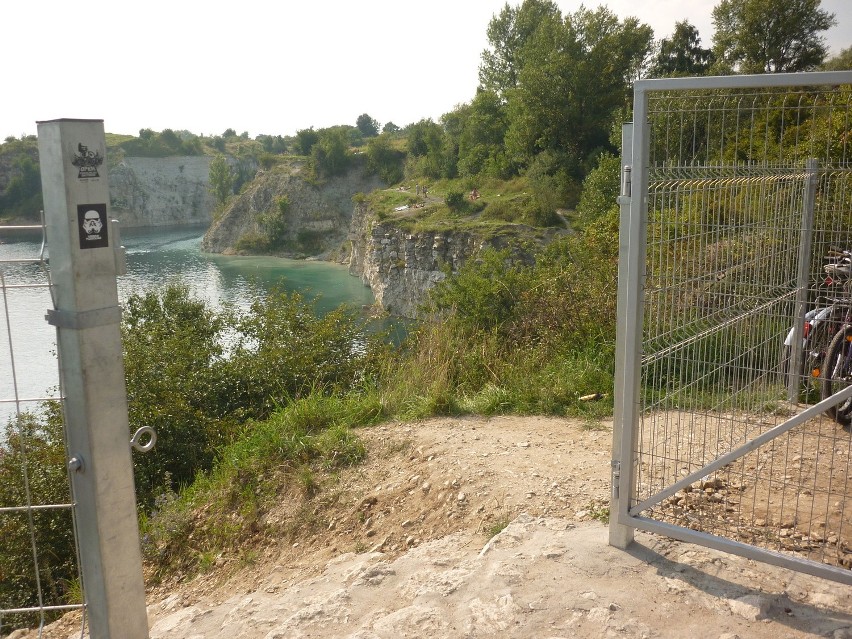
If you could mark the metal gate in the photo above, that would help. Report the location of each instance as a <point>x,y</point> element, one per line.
<point>736,196</point>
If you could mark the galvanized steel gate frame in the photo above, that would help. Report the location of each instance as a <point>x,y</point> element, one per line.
<point>628,510</point>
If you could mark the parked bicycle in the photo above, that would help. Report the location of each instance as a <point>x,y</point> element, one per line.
<point>822,323</point>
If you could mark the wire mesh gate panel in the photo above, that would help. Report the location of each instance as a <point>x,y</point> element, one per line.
<point>734,302</point>
<point>39,562</point>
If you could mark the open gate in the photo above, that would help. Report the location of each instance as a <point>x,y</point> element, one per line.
<point>736,195</point>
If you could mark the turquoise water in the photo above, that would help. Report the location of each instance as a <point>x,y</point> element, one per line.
<point>154,256</point>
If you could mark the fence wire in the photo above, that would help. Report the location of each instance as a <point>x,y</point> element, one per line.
<point>40,567</point>
<point>736,215</point>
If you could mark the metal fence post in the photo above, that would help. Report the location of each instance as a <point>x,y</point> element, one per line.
<point>87,316</point>
<point>805,244</point>
<point>621,535</point>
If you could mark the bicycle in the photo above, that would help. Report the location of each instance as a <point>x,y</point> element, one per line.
<point>824,321</point>
<point>827,338</point>
<point>838,374</point>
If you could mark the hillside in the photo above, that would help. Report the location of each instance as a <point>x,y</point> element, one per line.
<point>404,546</point>
<point>282,211</point>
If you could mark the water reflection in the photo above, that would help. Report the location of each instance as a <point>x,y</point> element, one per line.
<point>154,257</point>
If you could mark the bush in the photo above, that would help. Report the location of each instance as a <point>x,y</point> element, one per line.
<point>35,444</point>
<point>510,337</point>
<point>172,353</point>
<point>600,189</point>
<point>181,383</point>
<point>384,160</point>
<point>252,242</point>
<point>455,201</point>
<point>22,197</point>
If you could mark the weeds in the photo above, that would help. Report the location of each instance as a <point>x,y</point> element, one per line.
<point>599,511</point>
<point>497,526</point>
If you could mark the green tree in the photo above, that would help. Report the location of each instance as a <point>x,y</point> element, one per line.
<point>840,62</point>
<point>368,127</point>
<point>384,160</point>
<point>426,149</point>
<point>770,36</point>
<point>170,139</point>
<point>221,179</point>
<point>330,155</point>
<point>272,143</point>
<point>172,347</point>
<point>282,350</point>
<point>482,139</point>
<point>600,189</point>
<point>508,34</point>
<point>390,127</point>
<point>576,74</point>
<point>34,444</point>
<point>682,54</point>
<point>22,196</point>
<point>305,140</point>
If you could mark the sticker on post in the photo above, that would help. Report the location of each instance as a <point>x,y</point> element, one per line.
<point>87,162</point>
<point>92,222</point>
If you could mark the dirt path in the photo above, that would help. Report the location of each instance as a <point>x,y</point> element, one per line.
<point>405,546</point>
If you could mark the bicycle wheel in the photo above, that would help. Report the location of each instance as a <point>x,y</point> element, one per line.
<point>813,354</point>
<point>816,349</point>
<point>837,372</point>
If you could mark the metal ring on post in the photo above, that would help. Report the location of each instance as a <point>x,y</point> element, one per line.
<point>136,440</point>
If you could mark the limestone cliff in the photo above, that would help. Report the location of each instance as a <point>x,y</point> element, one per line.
<point>314,223</point>
<point>161,191</point>
<point>400,267</point>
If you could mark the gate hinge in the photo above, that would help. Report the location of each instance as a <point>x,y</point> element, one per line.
<point>616,477</point>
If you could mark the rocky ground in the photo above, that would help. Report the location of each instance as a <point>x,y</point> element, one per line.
<point>484,528</point>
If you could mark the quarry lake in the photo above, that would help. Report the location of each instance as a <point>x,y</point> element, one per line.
<point>154,257</point>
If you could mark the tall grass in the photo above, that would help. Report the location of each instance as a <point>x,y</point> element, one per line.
<point>221,510</point>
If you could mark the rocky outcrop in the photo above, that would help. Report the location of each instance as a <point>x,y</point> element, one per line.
<point>315,220</point>
<point>161,191</point>
<point>400,267</point>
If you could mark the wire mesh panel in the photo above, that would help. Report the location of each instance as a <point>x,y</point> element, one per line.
<point>744,278</point>
<point>39,562</point>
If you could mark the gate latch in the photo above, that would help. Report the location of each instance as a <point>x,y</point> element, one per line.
<point>616,476</point>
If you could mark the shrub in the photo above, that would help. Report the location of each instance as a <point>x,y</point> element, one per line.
<point>252,242</point>
<point>455,201</point>
<point>35,444</point>
<point>172,348</point>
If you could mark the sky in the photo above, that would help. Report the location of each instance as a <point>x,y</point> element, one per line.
<point>268,66</point>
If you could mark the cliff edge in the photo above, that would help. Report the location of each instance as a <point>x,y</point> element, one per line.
<point>293,215</point>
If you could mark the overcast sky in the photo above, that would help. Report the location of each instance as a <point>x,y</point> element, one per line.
<point>264,66</point>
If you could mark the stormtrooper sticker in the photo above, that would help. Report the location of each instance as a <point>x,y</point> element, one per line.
<point>92,222</point>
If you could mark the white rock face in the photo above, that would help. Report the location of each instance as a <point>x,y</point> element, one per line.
<point>400,267</point>
<point>161,191</point>
<point>317,218</point>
